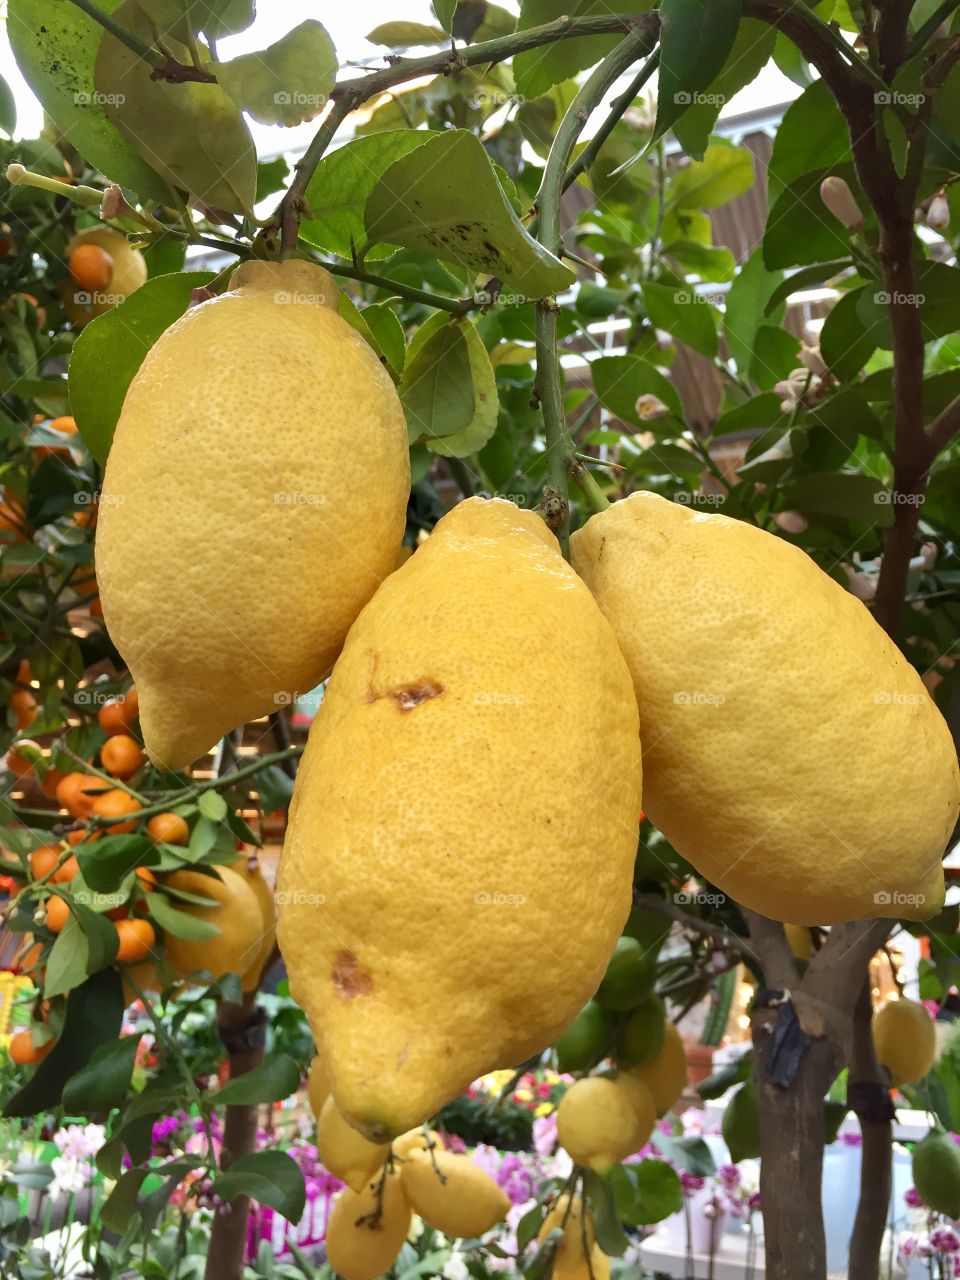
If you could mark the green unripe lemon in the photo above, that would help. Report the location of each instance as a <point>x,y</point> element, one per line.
<point>629,978</point>
<point>641,1037</point>
<point>936,1172</point>
<point>583,1042</point>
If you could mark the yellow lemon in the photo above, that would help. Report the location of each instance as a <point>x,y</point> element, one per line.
<point>598,1124</point>
<point>579,1234</point>
<point>666,1076</point>
<point>251,873</point>
<point>905,1040</point>
<point>367,1229</point>
<point>347,1154</point>
<point>416,1140</point>
<point>799,940</point>
<point>231,486</point>
<point>318,1086</point>
<point>433,803</point>
<point>236,914</point>
<point>768,698</point>
<point>452,1194</point>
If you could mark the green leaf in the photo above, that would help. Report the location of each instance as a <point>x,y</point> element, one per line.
<point>599,1196</point>
<point>848,494</point>
<point>271,1177</point>
<point>691,1154</point>
<point>845,342</point>
<point>67,962</point>
<point>180,923</point>
<point>387,333</point>
<point>741,1123</point>
<point>775,355</point>
<point>619,381</point>
<point>684,314</point>
<point>341,186</point>
<point>752,49</point>
<point>93,1017</point>
<point>110,350</point>
<point>659,1193</point>
<point>437,388</point>
<point>445,198</point>
<point>537,69</point>
<point>55,46</point>
<point>791,61</point>
<point>803,279</point>
<point>193,135</point>
<point>443,12</point>
<point>696,37</point>
<point>288,82</point>
<point>275,1078</point>
<point>271,177</point>
<point>104,863</point>
<point>937,297</point>
<point>122,1203</point>
<point>812,136</point>
<point>801,229</point>
<point>724,173</point>
<point>103,1082</point>
<point>401,35</point>
<point>705,261</point>
<point>8,108</point>
<point>219,18</point>
<point>745,305</point>
<point>213,806</point>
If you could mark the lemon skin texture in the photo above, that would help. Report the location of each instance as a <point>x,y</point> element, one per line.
<point>363,1243</point>
<point>599,1122</point>
<point>237,916</point>
<point>452,1194</point>
<point>347,1154</point>
<point>791,753</point>
<point>254,877</point>
<point>904,1040</point>
<point>231,487</point>
<point>458,862</point>
<point>129,273</point>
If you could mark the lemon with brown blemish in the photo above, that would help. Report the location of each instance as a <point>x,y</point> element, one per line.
<point>458,863</point>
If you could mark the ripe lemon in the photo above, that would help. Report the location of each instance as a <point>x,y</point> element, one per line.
<point>367,1229</point>
<point>84,300</point>
<point>347,1154</point>
<point>237,916</point>
<point>799,940</point>
<point>666,1075</point>
<point>452,1194</point>
<point>599,1123</point>
<point>318,1086</point>
<point>251,873</point>
<point>416,1140</point>
<point>578,1243</point>
<point>905,1040</point>
<point>768,698</point>
<point>231,486</point>
<point>432,801</point>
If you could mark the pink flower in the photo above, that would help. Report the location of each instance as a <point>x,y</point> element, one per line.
<point>545,1134</point>
<point>912,1199</point>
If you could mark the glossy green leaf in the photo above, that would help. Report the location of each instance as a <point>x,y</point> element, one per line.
<point>803,279</point>
<point>688,1153</point>
<point>696,38</point>
<point>180,923</point>
<point>275,1078</point>
<point>121,1204</point>
<point>812,136</point>
<point>271,1177</point>
<point>845,341</point>
<point>599,1196</point>
<point>8,108</point>
<point>848,494</point>
<point>103,1082</point>
<point>288,82</point>
<point>193,135</point>
<point>752,49</point>
<point>658,1192</point>
<point>708,262</point>
<point>800,229</point>
<point>444,198</point>
<point>724,173</point>
<point>437,387</point>
<point>106,861</point>
<point>620,381</point>
<point>685,314</point>
<point>745,307</point>
<point>791,61</point>
<point>55,45</point>
<point>537,69</point>
<point>776,354</point>
<point>402,35</point>
<point>388,335</point>
<point>741,1123</point>
<point>341,185</point>
<point>443,11</point>
<point>110,350</point>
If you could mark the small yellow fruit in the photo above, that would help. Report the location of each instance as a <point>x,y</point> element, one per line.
<point>318,1086</point>
<point>264,895</point>
<point>416,1140</point>
<point>367,1229</point>
<point>501,855</point>
<point>666,1076</point>
<point>452,1194</point>
<point>347,1154</point>
<point>799,940</point>
<point>579,1234</point>
<point>761,721</point>
<point>905,1040</point>
<point>231,485</point>
<point>237,915</point>
<point>128,273</point>
<point>598,1124</point>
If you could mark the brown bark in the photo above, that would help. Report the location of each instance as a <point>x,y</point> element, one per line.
<point>868,1096</point>
<point>791,1155</point>
<point>241,1029</point>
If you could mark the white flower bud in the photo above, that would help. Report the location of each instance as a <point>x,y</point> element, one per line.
<point>650,408</point>
<point>838,198</point>
<point>938,214</point>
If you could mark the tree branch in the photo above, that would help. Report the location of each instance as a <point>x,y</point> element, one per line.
<point>836,971</point>
<point>706,928</point>
<point>164,66</point>
<point>347,97</point>
<point>944,427</point>
<point>770,946</point>
<point>869,1098</point>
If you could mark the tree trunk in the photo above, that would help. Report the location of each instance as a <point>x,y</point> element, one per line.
<point>791,1159</point>
<point>241,1028</point>
<point>868,1096</point>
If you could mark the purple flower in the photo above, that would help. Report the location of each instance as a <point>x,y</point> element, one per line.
<point>944,1240</point>
<point>164,1130</point>
<point>911,1198</point>
<point>753,1204</point>
<point>691,1182</point>
<point>728,1176</point>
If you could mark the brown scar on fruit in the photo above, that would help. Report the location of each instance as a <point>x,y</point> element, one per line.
<point>349,980</point>
<point>408,696</point>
